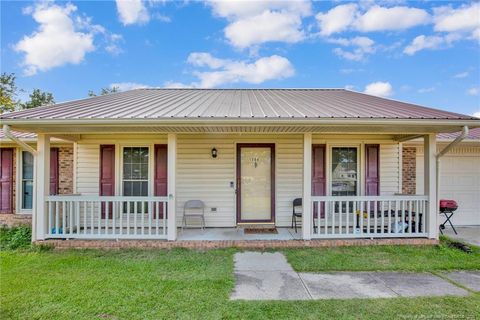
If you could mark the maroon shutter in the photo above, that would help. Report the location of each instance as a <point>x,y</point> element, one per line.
<point>107,175</point>
<point>319,177</point>
<point>6,180</point>
<point>161,172</point>
<point>372,170</point>
<point>53,171</point>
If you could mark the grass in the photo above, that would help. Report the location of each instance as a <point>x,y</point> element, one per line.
<point>186,284</point>
<point>383,258</point>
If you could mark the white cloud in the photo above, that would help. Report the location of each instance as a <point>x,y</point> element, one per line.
<point>466,18</point>
<point>350,87</point>
<point>255,22</point>
<point>205,59</point>
<point>461,75</point>
<point>396,18</point>
<point>57,41</point>
<point>337,19</point>
<point>474,91</point>
<point>132,12</point>
<point>423,42</point>
<point>224,71</point>
<point>362,46</point>
<point>125,86</point>
<point>426,90</point>
<point>370,18</point>
<point>381,89</point>
<point>176,85</point>
<point>476,114</point>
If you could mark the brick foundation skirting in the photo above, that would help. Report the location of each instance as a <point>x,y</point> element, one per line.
<point>240,244</point>
<point>11,219</point>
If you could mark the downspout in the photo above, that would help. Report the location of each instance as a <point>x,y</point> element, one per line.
<point>8,134</point>
<point>445,150</point>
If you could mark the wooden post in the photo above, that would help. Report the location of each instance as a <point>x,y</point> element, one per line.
<point>307,187</point>
<point>430,189</point>
<point>171,166</point>
<point>42,187</point>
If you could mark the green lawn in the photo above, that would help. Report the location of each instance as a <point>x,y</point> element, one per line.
<point>378,258</point>
<point>135,284</point>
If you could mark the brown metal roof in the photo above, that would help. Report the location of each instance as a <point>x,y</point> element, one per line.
<point>19,135</point>
<point>473,134</point>
<point>233,104</point>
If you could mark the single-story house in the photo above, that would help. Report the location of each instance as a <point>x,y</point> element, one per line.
<point>247,154</point>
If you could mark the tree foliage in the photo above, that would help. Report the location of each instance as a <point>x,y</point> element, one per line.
<point>37,99</point>
<point>103,91</point>
<point>9,95</point>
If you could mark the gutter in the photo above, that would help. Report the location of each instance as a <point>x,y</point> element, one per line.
<point>243,121</point>
<point>8,134</point>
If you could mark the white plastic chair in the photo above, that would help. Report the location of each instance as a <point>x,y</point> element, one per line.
<point>193,208</point>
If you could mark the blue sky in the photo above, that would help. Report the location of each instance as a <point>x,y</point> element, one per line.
<point>422,52</point>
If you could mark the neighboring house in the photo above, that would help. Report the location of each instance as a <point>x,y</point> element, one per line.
<point>17,176</point>
<point>246,153</point>
<point>459,174</point>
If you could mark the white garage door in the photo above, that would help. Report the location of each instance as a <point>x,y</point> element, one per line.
<point>460,181</point>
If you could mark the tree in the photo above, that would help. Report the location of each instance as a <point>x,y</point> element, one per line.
<point>8,93</point>
<point>103,91</point>
<point>38,98</point>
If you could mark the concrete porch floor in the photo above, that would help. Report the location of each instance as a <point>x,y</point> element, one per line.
<point>468,234</point>
<point>212,234</point>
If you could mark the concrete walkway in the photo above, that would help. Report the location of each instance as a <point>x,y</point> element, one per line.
<point>268,276</point>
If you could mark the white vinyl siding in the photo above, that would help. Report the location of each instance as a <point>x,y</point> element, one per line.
<point>390,179</point>
<point>199,176</point>
<point>87,168</point>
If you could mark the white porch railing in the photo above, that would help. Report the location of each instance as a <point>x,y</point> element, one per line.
<point>369,216</point>
<point>103,217</point>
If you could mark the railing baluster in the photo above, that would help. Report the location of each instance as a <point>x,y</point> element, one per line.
<point>368,217</point>
<point>149,203</point>
<point>389,215</point>
<point>64,217</point>
<point>375,216</point>
<point>120,212</point>
<point>50,216</point>
<point>128,210</point>
<point>135,216</point>
<point>164,217</point>
<point>114,225</point>
<point>410,216</point>
<point>382,215</point>
<point>77,214</point>
<point>340,225</point>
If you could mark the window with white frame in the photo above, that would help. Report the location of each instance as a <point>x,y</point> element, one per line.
<point>344,171</point>
<point>27,180</point>
<point>135,171</point>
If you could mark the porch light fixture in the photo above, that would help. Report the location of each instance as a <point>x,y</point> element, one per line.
<point>214,152</point>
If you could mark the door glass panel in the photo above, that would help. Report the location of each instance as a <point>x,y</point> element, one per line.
<point>256,185</point>
<point>344,172</point>
<point>135,175</point>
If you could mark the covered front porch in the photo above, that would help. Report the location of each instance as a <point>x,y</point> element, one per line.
<point>87,216</point>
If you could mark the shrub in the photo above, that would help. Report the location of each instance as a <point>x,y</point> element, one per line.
<point>15,237</point>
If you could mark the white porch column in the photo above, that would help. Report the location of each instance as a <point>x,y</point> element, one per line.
<point>430,189</point>
<point>42,187</point>
<point>172,199</point>
<point>307,187</point>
